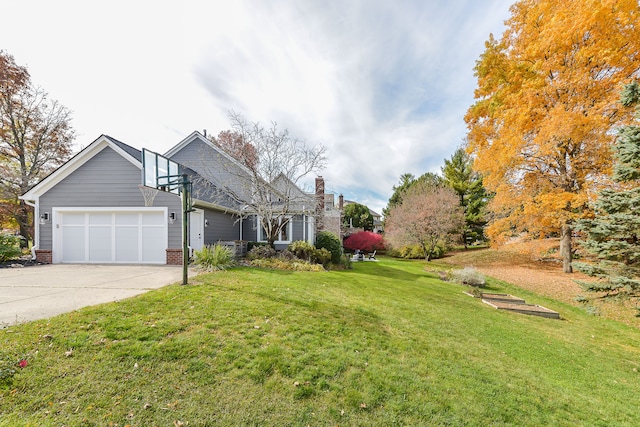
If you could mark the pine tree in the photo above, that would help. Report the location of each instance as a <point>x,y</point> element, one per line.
<point>613,236</point>
<point>460,177</point>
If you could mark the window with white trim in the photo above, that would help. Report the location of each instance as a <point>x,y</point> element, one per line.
<point>284,236</point>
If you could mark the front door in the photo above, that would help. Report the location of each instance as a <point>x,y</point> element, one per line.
<point>196,229</point>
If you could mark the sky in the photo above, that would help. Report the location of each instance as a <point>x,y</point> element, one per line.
<point>382,84</point>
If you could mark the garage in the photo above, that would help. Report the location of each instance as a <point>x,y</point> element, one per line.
<point>110,235</point>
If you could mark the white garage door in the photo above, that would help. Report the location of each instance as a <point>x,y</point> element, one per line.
<point>114,236</point>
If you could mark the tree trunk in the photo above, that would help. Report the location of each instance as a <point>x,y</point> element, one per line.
<point>565,248</point>
<point>22,218</point>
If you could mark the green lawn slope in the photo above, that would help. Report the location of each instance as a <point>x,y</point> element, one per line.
<point>386,343</point>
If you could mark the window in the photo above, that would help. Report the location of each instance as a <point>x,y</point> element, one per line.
<point>284,236</point>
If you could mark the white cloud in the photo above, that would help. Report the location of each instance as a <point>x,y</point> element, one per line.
<point>384,85</point>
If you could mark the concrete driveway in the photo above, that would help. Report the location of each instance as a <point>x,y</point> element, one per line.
<point>43,291</point>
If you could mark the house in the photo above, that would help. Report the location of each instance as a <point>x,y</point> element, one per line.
<point>92,210</point>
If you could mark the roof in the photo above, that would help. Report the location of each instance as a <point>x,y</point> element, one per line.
<point>133,152</point>
<point>129,153</point>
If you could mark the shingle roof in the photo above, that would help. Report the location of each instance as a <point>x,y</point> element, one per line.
<point>133,152</point>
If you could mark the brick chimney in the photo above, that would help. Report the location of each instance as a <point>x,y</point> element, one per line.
<point>341,202</point>
<point>320,193</point>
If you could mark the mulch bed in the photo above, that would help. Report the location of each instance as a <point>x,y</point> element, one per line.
<point>24,261</point>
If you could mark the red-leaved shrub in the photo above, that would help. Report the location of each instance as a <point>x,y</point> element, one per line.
<point>365,241</point>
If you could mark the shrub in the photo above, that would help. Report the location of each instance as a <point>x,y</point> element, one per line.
<point>214,257</point>
<point>331,242</point>
<point>286,254</point>
<point>302,249</point>
<point>414,252</point>
<point>365,241</point>
<point>284,264</point>
<point>9,247</point>
<point>262,252</point>
<point>469,276</point>
<point>345,262</point>
<point>321,256</point>
<point>251,245</point>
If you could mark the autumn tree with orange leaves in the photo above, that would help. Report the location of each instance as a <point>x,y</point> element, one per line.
<point>546,112</point>
<point>234,144</point>
<point>36,137</point>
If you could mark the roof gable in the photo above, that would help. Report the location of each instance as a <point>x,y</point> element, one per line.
<point>195,135</point>
<point>129,153</point>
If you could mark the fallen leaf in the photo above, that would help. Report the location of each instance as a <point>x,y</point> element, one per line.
<point>69,353</point>
<point>363,405</point>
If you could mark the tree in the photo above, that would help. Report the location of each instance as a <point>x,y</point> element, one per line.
<point>613,236</point>
<point>358,216</point>
<point>542,125</point>
<point>429,215</point>
<point>406,181</point>
<point>267,185</point>
<point>233,144</point>
<point>460,177</point>
<point>35,138</point>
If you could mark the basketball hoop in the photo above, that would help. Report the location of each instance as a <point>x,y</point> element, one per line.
<point>148,193</point>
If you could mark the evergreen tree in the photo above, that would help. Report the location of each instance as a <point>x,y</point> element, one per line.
<point>358,216</point>
<point>460,177</point>
<point>613,236</point>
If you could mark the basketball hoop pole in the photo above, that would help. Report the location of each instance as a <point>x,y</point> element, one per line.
<point>185,196</point>
<point>185,228</point>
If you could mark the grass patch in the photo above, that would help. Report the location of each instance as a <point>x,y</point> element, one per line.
<point>383,344</point>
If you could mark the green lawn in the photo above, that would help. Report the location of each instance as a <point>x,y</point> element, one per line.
<point>383,344</point>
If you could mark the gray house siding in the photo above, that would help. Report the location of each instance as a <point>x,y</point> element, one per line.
<point>220,226</point>
<point>216,168</point>
<point>106,180</point>
<point>299,230</point>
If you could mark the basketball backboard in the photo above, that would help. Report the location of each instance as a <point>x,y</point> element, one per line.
<point>160,172</point>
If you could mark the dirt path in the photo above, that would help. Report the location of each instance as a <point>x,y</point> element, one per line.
<point>534,267</point>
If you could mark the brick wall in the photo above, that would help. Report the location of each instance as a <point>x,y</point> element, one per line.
<point>174,256</point>
<point>44,256</point>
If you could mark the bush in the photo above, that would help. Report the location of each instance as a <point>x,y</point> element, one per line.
<point>345,262</point>
<point>286,254</point>
<point>284,264</point>
<point>251,245</point>
<point>365,241</point>
<point>262,252</point>
<point>214,257</point>
<point>321,256</point>
<point>331,242</point>
<point>414,252</point>
<point>469,276</point>
<point>9,247</point>
<point>302,249</point>
<point>307,252</point>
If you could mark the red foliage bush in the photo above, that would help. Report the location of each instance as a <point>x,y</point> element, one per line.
<point>365,241</point>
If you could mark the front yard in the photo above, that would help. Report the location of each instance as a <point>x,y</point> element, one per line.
<point>386,343</point>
